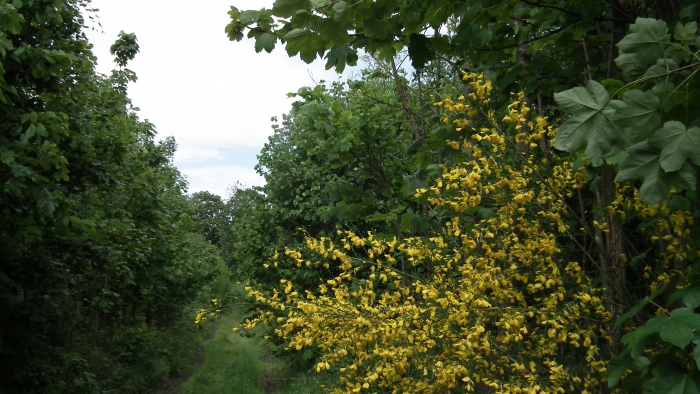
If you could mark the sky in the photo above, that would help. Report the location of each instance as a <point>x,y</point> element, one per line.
<point>215,96</point>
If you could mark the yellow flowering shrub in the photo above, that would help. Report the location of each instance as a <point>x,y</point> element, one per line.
<point>668,228</point>
<point>211,312</point>
<point>490,300</point>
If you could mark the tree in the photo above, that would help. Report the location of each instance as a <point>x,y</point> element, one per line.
<point>97,264</point>
<point>338,159</point>
<point>209,216</point>
<point>125,48</point>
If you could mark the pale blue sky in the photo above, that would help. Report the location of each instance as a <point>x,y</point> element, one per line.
<point>215,96</point>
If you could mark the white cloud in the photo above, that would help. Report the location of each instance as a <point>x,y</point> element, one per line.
<point>217,179</point>
<point>187,155</point>
<point>213,95</point>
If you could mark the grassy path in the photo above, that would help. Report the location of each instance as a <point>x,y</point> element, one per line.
<point>235,364</point>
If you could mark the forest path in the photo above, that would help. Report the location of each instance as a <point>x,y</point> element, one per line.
<point>235,363</point>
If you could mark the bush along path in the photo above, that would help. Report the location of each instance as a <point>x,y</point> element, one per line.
<point>242,362</point>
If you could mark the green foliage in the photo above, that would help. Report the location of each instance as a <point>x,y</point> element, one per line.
<point>676,329</point>
<point>348,172</point>
<point>244,360</point>
<point>125,48</point>
<point>591,122</point>
<point>677,145</point>
<point>639,115</point>
<point>629,104</point>
<point>663,91</point>
<point>662,373</point>
<point>488,31</point>
<point>98,263</point>
<point>210,216</point>
<point>642,47</point>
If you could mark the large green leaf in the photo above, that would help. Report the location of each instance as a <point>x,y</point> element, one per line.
<point>376,28</point>
<point>415,146</point>
<point>638,306</point>
<point>677,144</point>
<point>640,115</point>
<point>413,12</point>
<point>643,163</point>
<point>581,101</point>
<point>406,220</point>
<point>668,94</point>
<point>46,202</point>
<point>684,179</point>
<point>319,3</point>
<point>678,53</point>
<point>287,8</point>
<point>249,16</point>
<point>591,122</point>
<point>338,57</point>
<point>340,7</point>
<point>470,36</point>
<point>686,34</point>
<point>661,69</point>
<point>651,327</point>
<point>676,329</point>
<point>676,333</point>
<point>634,381</point>
<point>671,384</point>
<point>687,317</point>
<point>645,44</point>
<point>5,45</point>
<point>420,51</point>
<point>617,367</point>
<point>690,296</point>
<point>631,64</point>
<point>690,12</point>
<point>305,43</point>
<point>333,32</point>
<point>637,340</point>
<point>414,184</point>
<point>265,41</point>
<point>234,29</point>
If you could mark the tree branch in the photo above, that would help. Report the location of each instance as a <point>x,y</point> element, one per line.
<point>551,7</point>
<point>559,30</point>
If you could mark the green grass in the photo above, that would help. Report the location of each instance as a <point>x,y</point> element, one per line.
<point>232,364</point>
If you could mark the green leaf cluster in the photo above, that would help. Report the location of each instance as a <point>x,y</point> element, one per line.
<point>676,331</point>
<point>125,48</point>
<point>652,122</point>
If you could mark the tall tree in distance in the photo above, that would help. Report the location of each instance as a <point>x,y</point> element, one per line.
<point>209,216</point>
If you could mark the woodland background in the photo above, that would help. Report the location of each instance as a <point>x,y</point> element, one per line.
<point>553,144</point>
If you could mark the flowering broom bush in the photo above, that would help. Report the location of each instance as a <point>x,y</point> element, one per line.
<point>494,300</point>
